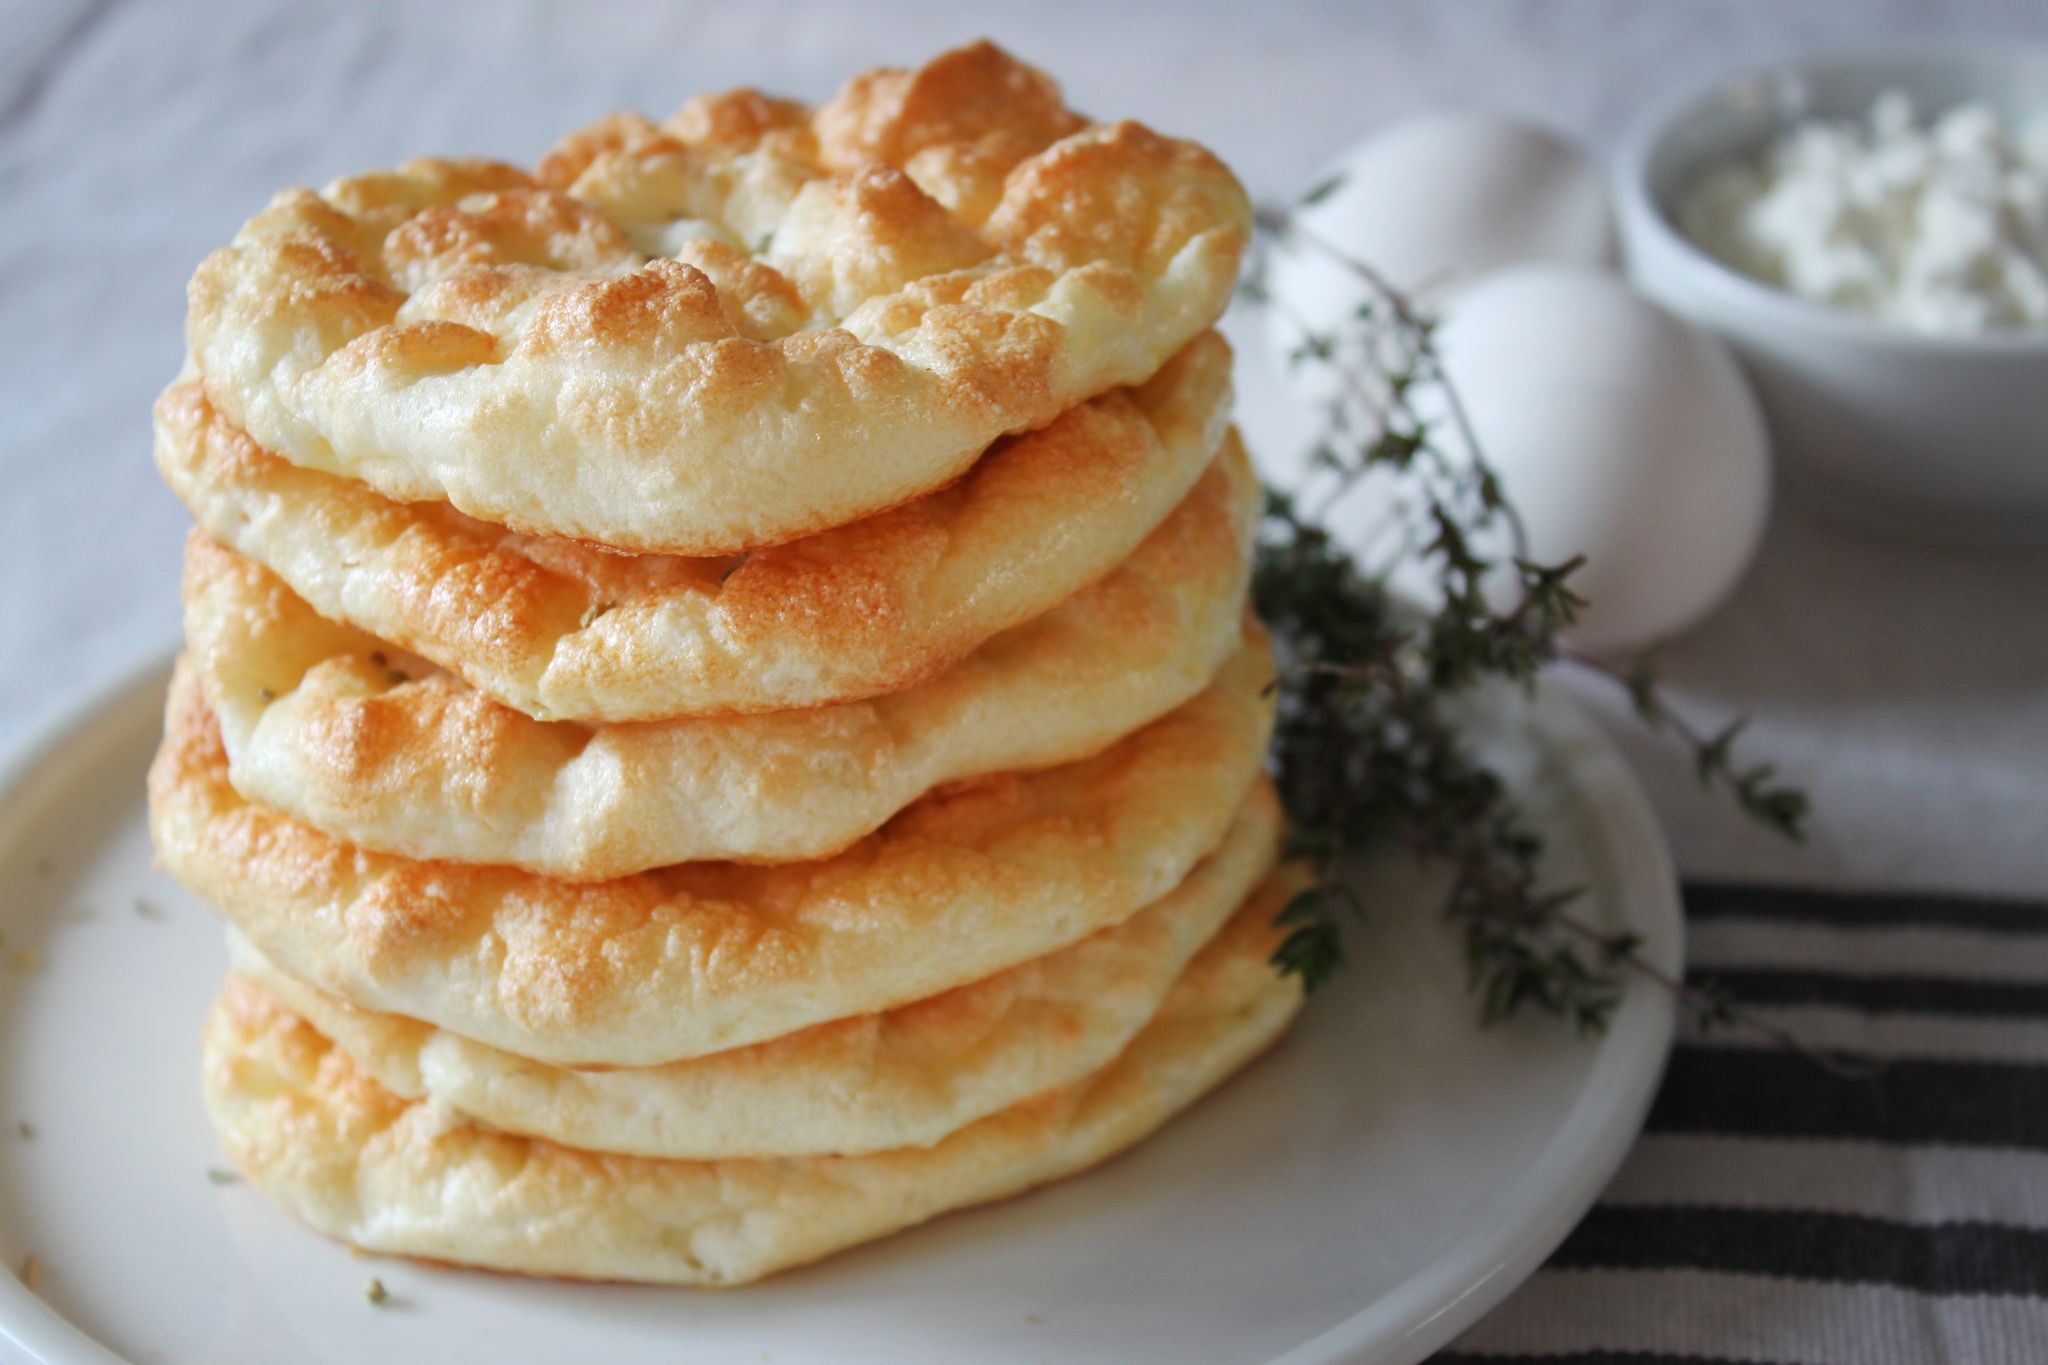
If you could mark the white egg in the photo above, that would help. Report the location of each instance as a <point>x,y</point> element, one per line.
<point>1621,433</point>
<point>1432,204</point>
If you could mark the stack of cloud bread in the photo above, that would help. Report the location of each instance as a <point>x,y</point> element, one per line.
<point>719,710</point>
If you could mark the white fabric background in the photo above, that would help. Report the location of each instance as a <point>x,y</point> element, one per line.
<point>1909,691</point>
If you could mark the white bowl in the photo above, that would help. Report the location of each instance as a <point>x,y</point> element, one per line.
<point>1933,437</point>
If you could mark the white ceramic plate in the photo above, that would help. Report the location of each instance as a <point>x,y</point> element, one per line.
<point>1364,1192</point>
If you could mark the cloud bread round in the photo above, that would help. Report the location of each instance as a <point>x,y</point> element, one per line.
<point>737,328</point>
<point>321,1138</point>
<point>701,957</point>
<point>340,730</point>
<point>564,631</point>
<point>905,1077</point>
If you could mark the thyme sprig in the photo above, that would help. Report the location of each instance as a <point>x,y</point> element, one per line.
<point>1369,750</point>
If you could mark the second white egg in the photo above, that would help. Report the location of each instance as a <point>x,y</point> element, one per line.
<point>1621,433</point>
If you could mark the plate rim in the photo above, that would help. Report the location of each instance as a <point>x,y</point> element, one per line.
<point>1469,1278</point>
<point>28,1324</point>
<point>1475,1274</point>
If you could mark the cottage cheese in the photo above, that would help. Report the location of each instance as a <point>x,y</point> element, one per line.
<point>1941,227</point>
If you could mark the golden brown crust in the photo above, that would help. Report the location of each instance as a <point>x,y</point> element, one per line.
<point>648,969</point>
<point>346,733</point>
<point>571,632</point>
<point>321,1138</point>
<point>740,328</point>
<point>905,1077</point>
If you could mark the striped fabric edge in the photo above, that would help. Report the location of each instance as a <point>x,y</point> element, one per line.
<point>1933,1219</point>
<point>1890,993</point>
<point>1706,901</point>
<point>1896,1035</point>
<point>1799,1244</point>
<point>1776,1213</point>
<point>1947,952</point>
<point>1761,1092</point>
<point>1873,1179</point>
<point>1958,1017</point>
<point>1694,1315</point>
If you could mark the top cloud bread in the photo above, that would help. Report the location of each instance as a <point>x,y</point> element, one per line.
<point>742,326</point>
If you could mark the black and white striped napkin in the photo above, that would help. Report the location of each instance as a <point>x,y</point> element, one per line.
<point>1776,1214</point>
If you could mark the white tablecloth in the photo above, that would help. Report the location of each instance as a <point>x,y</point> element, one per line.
<point>1907,690</point>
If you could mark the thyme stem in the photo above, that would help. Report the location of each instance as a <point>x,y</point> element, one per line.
<point>1713,1008</point>
<point>1366,751</point>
